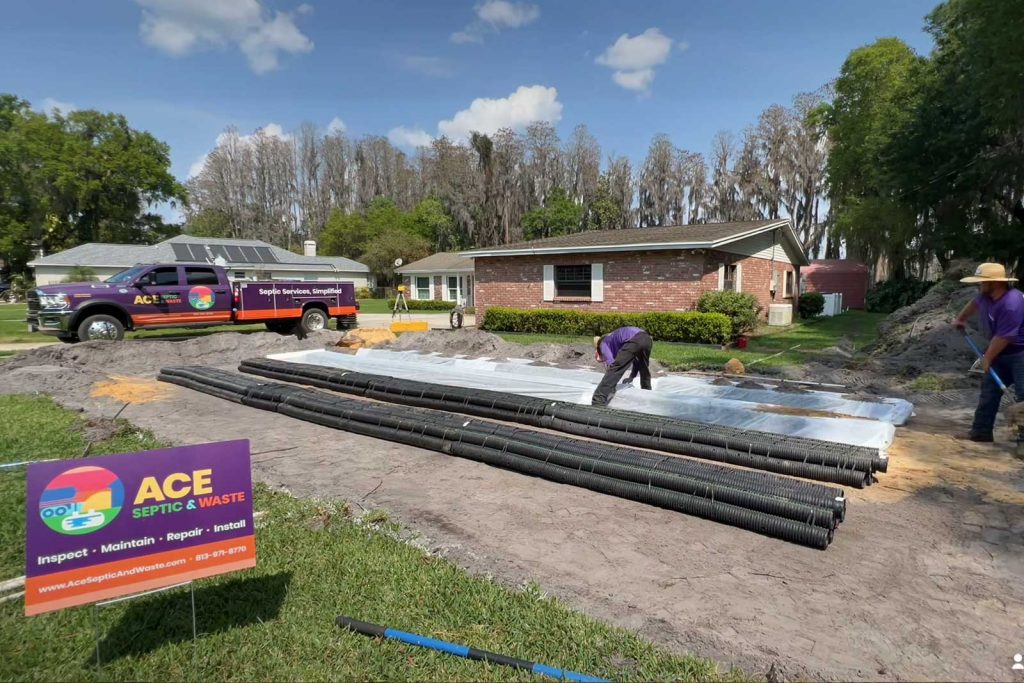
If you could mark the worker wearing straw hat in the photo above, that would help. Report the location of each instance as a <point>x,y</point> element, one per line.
<point>1000,310</point>
<point>625,347</point>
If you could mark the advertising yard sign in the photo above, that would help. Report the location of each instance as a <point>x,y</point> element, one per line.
<point>104,527</point>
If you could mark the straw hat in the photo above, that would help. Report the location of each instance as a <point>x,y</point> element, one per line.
<point>989,272</point>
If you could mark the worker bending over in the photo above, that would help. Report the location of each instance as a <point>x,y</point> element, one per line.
<point>625,347</point>
<point>1000,310</point>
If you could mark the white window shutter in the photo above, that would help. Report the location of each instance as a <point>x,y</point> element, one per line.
<point>739,277</point>
<point>597,282</point>
<point>549,283</point>
<point>721,276</point>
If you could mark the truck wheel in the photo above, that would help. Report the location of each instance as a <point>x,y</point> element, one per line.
<point>455,319</point>
<point>101,328</point>
<point>313,320</point>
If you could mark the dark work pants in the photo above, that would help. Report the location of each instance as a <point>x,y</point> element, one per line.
<point>636,353</point>
<point>1011,370</point>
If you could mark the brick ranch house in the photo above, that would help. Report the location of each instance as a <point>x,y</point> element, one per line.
<point>643,269</point>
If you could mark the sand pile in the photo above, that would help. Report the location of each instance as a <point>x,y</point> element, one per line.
<point>367,337</point>
<point>475,343</point>
<point>919,339</point>
<point>143,357</point>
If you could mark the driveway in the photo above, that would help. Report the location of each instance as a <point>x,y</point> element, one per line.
<point>438,321</point>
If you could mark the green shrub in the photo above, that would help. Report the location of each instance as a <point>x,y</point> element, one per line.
<point>740,307</point>
<point>425,305</point>
<point>81,274</point>
<point>811,304</point>
<point>364,293</point>
<point>702,328</point>
<point>886,297</point>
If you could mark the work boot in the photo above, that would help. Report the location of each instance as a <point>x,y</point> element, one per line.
<point>976,437</point>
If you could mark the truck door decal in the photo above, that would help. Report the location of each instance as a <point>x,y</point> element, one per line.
<point>201,298</point>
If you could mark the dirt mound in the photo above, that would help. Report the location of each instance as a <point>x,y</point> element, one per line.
<point>467,342</point>
<point>919,338</point>
<point>479,344</point>
<point>144,357</point>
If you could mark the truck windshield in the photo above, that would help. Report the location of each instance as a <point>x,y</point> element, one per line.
<point>126,276</point>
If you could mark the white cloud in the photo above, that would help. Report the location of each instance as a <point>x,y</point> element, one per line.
<point>178,27</point>
<point>197,166</point>
<point>50,105</point>
<point>429,66</point>
<point>494,15</point>
<point>409,137</point>
<point>504,14</point>
<point>336,126</point>
<point>467,36</point>
<point>486,115</point>
<point>634,80</point>
<point>633,58</point>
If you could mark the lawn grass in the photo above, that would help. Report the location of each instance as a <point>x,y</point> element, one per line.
<point>374,306</point>
<point>276,622</point>
<point>856,328</point>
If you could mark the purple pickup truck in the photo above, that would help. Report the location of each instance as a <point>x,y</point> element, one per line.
<point>169,295</point>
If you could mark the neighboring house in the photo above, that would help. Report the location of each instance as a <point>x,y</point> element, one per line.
<point>642,269</point>
<point>447,276</point>
<point>244,260</point>
<point>838,276</point>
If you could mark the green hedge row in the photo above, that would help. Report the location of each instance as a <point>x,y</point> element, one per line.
<point>700,328</point>
<point>425,305</point>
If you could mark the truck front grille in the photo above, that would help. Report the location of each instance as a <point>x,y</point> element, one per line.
<point>32,299</point>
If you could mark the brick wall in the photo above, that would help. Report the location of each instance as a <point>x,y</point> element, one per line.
<point>633,281</point>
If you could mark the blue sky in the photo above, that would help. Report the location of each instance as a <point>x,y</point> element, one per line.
<point>186,69</point>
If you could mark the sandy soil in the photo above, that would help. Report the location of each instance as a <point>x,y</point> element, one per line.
<point>923,580</point>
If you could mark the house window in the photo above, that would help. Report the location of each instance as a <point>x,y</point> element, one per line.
<point>729,278</point>
<point>201,276</point>
<point>423,288</point>
<point>239,275</point>
<point>572,281</point>
<point>787,284</point>
<point>453,288</point>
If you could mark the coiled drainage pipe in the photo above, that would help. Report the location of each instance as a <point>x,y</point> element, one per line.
<point>769,514</point>
<point>822,461</point>
<point>256,393</point>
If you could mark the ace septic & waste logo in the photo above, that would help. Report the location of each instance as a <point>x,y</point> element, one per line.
<point>81,500</point>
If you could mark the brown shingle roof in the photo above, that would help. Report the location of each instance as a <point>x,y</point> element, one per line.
<point>669,234</point>
<point>449,261</point>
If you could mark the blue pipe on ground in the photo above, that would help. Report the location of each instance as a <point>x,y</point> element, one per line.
<point>375,631</point>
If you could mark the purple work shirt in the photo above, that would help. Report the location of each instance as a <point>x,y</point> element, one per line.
<point>1004,318</point>
<point>613,341</point>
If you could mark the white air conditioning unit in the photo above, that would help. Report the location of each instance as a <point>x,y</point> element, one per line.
<point>780,314</point>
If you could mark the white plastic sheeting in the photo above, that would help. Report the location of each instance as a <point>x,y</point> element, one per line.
<point>577,386</point>
<point>894,410</point>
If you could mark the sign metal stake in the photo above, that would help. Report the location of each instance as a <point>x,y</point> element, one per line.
<point>97,605</point>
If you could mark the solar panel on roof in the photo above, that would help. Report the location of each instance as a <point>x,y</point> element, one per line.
<point>199,253</point>
<point>235,254</point>
<point>251,256</point>
<point>181,252</point>
<point>266,255</point>
<point>218,250</point>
